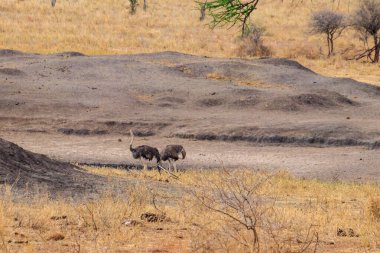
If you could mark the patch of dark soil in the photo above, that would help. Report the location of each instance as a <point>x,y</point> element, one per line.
<point>36,131</point>
<point>11,72</point>
<point>70,54</point>
<point>246,102</point>
<point>126,166</point>
<point>66,131</point>
<point>99,132</point>
<point>124,127</point>
<point>91,128</point>
<point>247,92</point>
<point>9,52</point>
<point>173,100</point>
<point>83,131</point>
<point>142,133</point>
<point>166,105</point>
<point>337,97</point>
<point>284,62</point>
<point>283,136</point>
<point>24,169</point>
<point>210,102</point>
<point>313,100</point>
<point>320,100</point>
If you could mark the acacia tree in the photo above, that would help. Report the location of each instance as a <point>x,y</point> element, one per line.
<point>229,12</point>
<point>329,23</point>
<point>367,21</point>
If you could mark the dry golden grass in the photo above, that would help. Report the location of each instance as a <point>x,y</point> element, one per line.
<point>293,207</point>
<point>106,27</point>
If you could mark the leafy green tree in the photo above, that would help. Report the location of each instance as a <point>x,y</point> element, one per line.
<point>229,12</point>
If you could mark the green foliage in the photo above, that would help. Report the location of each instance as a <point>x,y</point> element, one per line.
<point>229,12</point>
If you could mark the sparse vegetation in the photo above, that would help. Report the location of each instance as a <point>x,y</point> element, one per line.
<point>110,29</point>
<point>213,210</point>
<point>252,43</point>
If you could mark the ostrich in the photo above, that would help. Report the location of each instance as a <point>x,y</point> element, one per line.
<point>144,153</point>
<point>172,153</point>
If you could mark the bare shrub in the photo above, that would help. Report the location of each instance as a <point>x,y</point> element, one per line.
<point>329,23</point>
<point>244,217</point>
<point>366,21</point>
<point>252,43</point>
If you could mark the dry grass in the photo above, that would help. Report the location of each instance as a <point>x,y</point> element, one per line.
<point>293,207</point>
<point>106,27</point>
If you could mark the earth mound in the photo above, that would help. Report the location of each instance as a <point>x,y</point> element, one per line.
<point>23,169</point>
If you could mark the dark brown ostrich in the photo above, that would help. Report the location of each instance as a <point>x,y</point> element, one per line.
<point>172,153</point>
<point>144,153</point>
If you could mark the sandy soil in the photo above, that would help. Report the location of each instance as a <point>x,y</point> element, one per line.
<point>264,114</point>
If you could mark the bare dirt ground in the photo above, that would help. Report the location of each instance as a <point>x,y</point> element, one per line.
<point>264,114</point>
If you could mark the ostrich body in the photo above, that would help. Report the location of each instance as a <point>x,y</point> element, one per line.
<point>172,153</point>
<point>144,153</point>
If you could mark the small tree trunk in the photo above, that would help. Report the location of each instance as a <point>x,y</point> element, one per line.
<point>133,6</point>
<point>331,44</point>
<point>328,45</point>
<point>145,5</point>
<point>377,48</point>
<point>203,12</point>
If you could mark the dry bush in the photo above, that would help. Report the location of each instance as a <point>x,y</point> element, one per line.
<point>252,43</point>
<point>243,217</point>
<point>329,23</point>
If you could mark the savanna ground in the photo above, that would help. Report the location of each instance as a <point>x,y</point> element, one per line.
<point>201,210</point>
<point>206,211</point>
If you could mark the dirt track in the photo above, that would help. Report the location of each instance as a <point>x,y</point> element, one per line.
<point>266,114</point>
